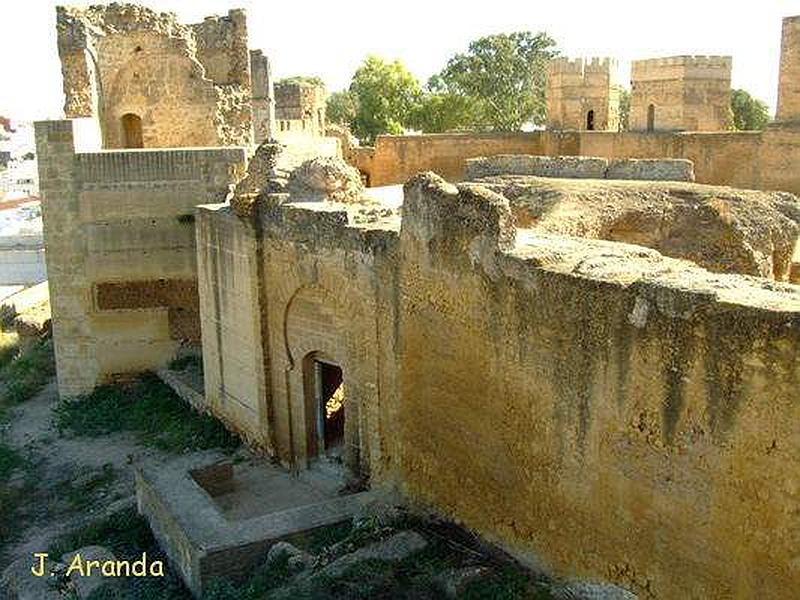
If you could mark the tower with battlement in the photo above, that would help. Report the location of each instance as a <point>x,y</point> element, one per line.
<point>681,93</point>
<point>583,94</point>
<point>789,79</point>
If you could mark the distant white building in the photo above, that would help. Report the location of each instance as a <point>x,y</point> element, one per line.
<point>20,177</point>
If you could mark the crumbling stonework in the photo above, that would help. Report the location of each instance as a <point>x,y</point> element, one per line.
<point>721,229</point>
<point>788,92</point>
<point>263,97</point>
<point>597,377</point>
<point>154,82</point>
<point>300,107</point>
<point>328,178</point>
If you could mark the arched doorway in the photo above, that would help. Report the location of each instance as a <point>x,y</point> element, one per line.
<point>590,120</point>
<point>132,131</point>
<point>325,409</point>
<point>651,117</point>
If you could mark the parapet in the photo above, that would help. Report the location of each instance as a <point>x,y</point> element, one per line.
<point>583,65</point>
<point>707,67</point>
<point>580,167</point>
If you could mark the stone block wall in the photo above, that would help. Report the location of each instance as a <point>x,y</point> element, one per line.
<point>263,97</point>
<point>120,250</point>
<point>576,87</point>
<point>789,75</point>
<point>684,93</point>
<point>753,160</point>
<point>300,107</point>
<point>580,167</point>
<point>234,367</point>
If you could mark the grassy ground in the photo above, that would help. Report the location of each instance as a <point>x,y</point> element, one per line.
<point>127,535</point>
<point>22,375</point>
<point>150,409</point>
<point>413,579</point>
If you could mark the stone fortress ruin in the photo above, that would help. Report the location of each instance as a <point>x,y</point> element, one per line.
<point>577,347</point>
<point>583,94</point>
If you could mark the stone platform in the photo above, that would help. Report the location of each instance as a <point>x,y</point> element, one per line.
<point>218,520</point>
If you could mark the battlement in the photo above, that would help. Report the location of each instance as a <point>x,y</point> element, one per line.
<point>579,66</point>
<point>672,67</point>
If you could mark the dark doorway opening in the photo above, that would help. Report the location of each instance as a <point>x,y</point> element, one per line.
<point>132,131</point>
<point>329,382</point>
<point>651,117</point>
<point>590,120</point>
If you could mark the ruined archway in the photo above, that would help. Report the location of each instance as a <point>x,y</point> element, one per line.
<point>651,117</point>
<point>132,131</point>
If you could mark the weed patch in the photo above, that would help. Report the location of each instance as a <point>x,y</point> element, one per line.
<point>148,408</point>
<point>127,535</point>
<point>27,373</point>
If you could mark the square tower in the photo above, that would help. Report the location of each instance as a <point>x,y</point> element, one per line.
<point>789,79</point>
<point>681,93</point>
<point>583,94</point>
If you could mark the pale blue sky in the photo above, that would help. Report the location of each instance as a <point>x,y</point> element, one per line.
<point>330,38</point>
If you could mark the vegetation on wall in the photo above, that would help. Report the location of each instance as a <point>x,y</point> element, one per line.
<point>498,84</point>
<point>748,113</point>
<point>302,79</point>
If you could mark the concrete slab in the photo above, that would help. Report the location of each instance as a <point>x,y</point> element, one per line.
<point>228,535</point>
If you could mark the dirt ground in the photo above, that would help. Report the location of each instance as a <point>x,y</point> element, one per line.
<point>73,479</point>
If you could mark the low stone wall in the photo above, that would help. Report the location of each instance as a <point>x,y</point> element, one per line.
<point>580,167</point>
<point>751,160</point>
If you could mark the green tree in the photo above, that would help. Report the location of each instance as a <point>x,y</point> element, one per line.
<point>438,112</point>
<point>501,79</point>
<point>342,107</point>
<point>749,114</point>
<point>385,95</point>
<point>308,79</point>
<point>624,109</point>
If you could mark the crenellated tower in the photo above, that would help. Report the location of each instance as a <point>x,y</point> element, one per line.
<point>681,93</point>
<point>583,94</point>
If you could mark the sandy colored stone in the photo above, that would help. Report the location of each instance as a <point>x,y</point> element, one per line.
<point>722,229</point>
<point>325,178</point>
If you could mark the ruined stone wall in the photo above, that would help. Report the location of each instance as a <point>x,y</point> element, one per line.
<point>597,408</point>
<point>553,393</point>
<point>300,107</point>
<point>328,295</point>
<point>576,87</point>
<point>789,76</point>
<point>120,250</point>
<point>263,97</point>
<point>221,44</point>
<point>128,60</point>
<point>687,93</point>
<point>752,160</point>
